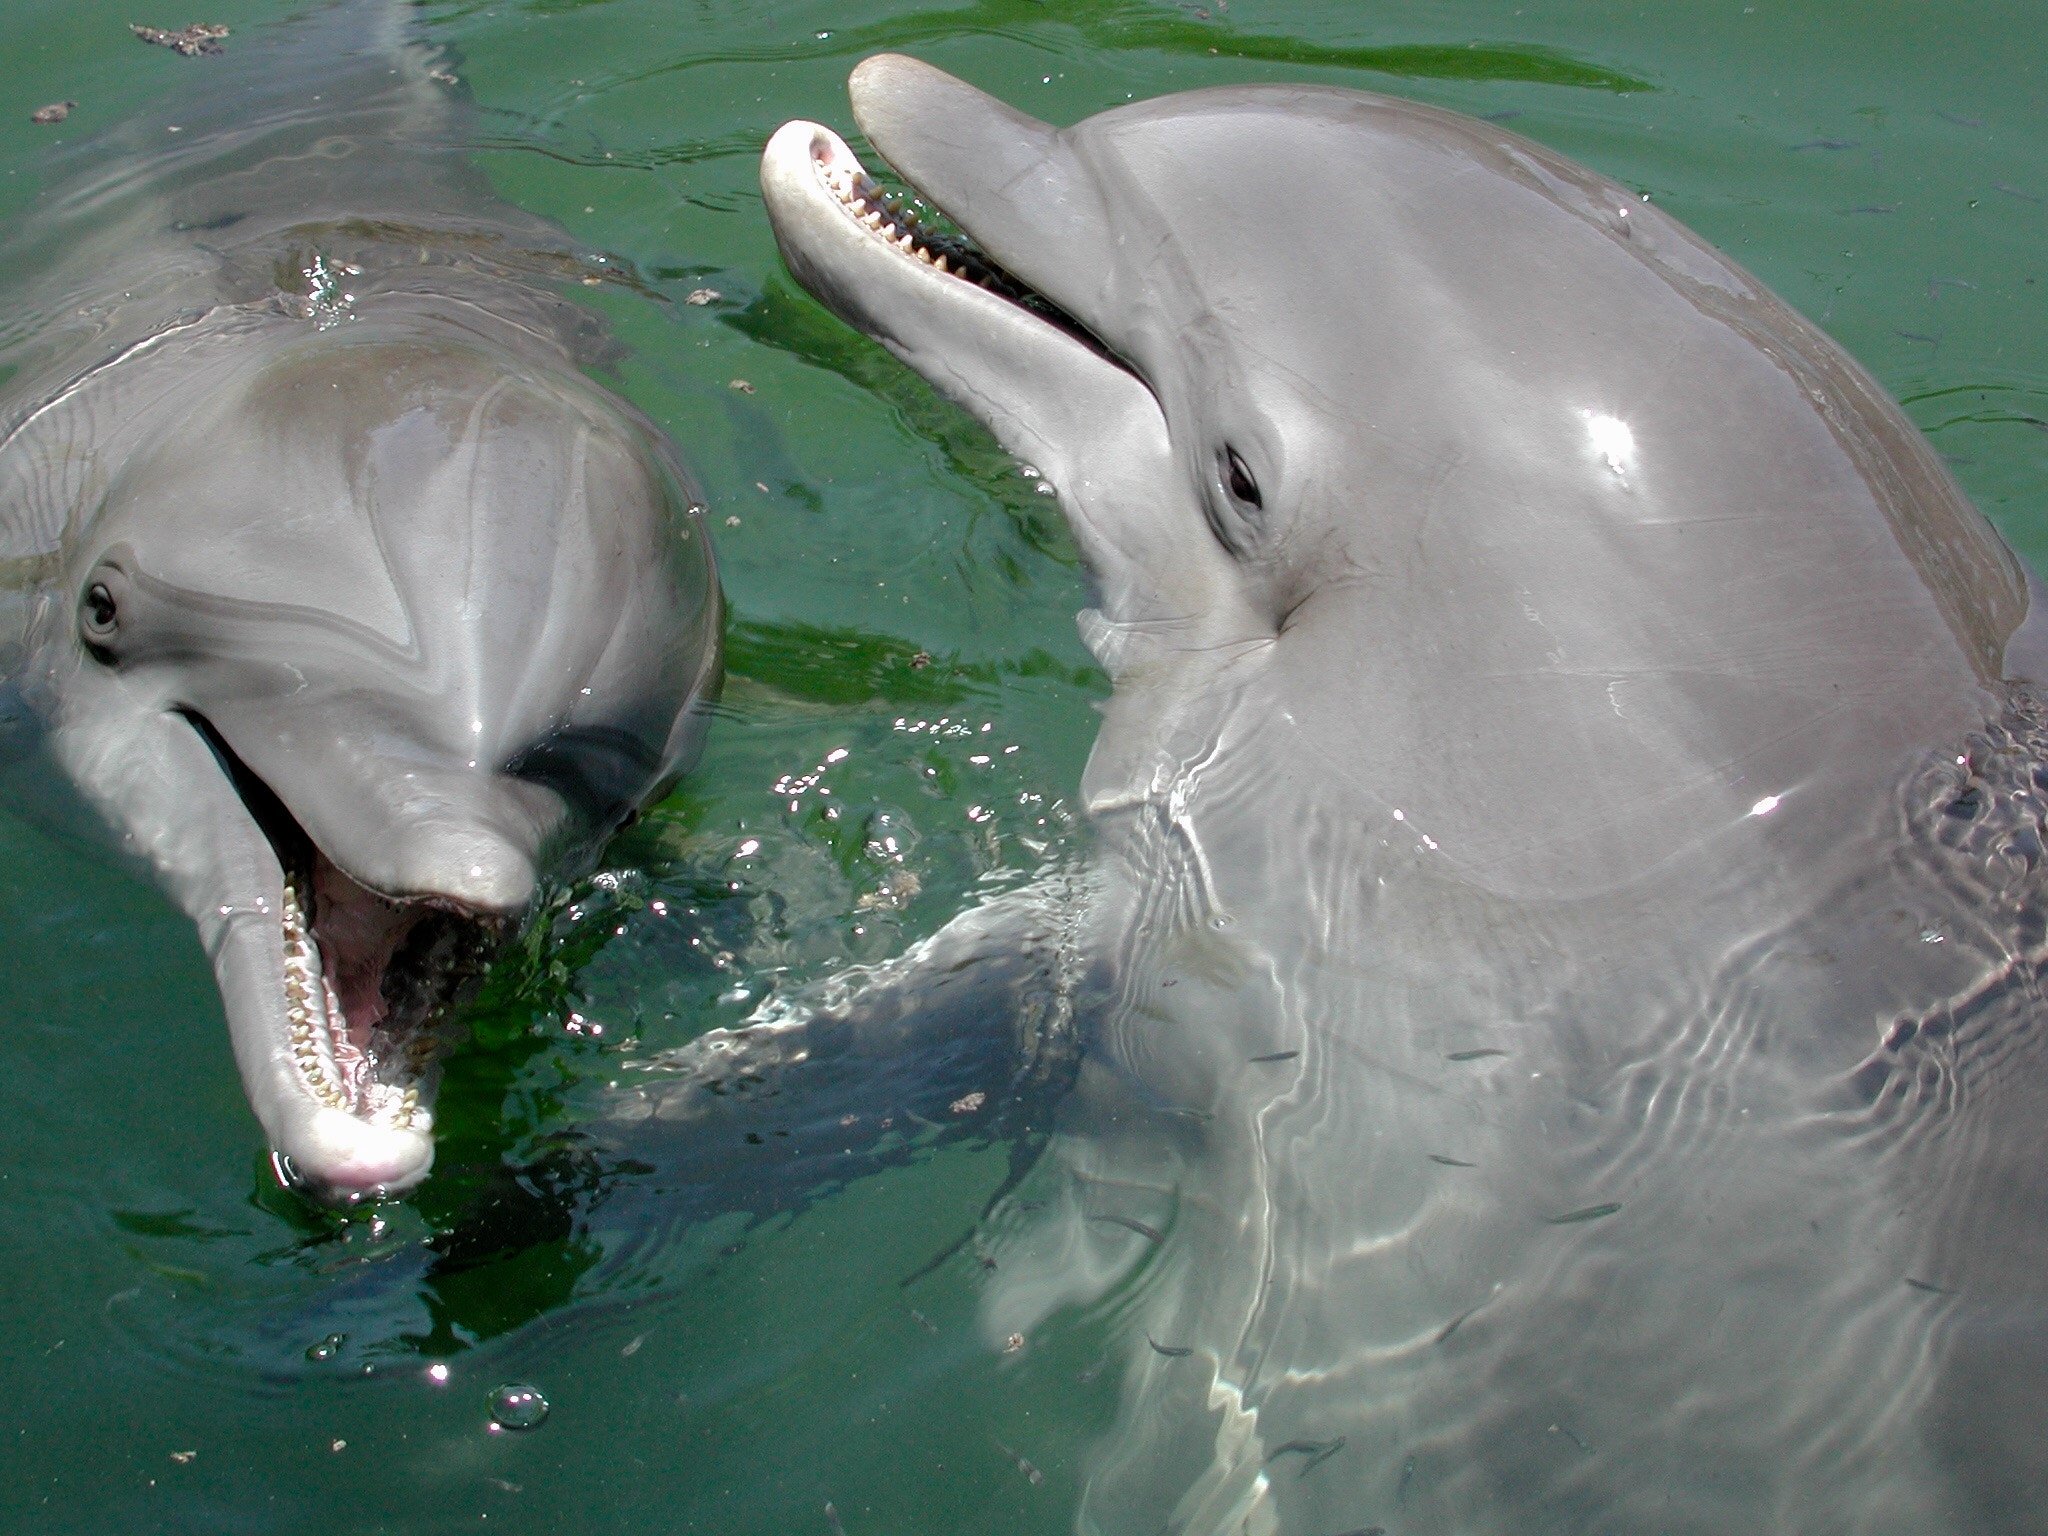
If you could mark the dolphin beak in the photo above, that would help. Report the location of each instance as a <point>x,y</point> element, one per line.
<point>1012,182</point>
<point>337,988</point>
<point>402,816</point>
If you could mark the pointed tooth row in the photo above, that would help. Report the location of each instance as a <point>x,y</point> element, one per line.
<point>310,1006</point>
<point>305,995</point>
<point>877,210</point>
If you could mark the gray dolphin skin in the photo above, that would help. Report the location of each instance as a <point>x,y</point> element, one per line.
<point>353,608</point>
<point>1567,895</point>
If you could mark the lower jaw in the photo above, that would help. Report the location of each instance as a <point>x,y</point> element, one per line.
<point>365,1051</point>
<point>339,1159</point>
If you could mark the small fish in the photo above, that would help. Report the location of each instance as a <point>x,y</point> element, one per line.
<point>1476,1055</point>
<point>1366,1530</point>
<point>632,1346</point>
<point>1171,1351</point>
<point>924,1322</point>
<point>2015,192</point>
<point>1031,1474</point>
<point>832,1519</point>
<point>1932,341</point>
<point>1093,1371</point>
<point>1407,1476</point>
<point>1317,1452</point>
<point>1870,208</point>
<point>1504,117</point>
<point>1131,1224</point>
<point>1453,1325</point>
<point>1584,1213</point>
<point>1960,122</point>
<point>1275,1056</point>
<point>1827,144</point>
<point>1929,1287</point>
<point>1450,1162</point>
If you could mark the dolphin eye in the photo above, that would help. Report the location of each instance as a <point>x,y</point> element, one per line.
<point>97,612</point>
<point>1238,476</point>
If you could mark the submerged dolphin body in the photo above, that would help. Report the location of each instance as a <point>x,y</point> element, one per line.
<point>350,604</point>
<point>1569,910</point>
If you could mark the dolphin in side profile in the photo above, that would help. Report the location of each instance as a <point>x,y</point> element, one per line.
<point>1567,926</point>
<point>342,595</point>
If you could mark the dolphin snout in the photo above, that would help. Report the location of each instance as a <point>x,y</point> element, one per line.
<point>337,1158</point>
<point>464,864</point>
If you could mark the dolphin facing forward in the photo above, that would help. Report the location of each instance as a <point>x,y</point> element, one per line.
<point>1569,918</point>
<point>342,595</point>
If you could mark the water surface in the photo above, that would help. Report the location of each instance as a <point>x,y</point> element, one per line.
<point>185,1348</point>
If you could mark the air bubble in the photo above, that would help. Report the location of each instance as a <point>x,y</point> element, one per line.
<point>327,1348</point>
<point>518,1406</point>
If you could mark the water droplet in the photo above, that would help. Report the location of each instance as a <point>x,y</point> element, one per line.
<point>327,1348</point>
<point>518,1406</point>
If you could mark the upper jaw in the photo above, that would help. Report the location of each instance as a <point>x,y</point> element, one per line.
<point>1015,184</point>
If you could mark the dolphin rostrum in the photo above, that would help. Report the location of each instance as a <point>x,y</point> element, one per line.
<point>1567,922</point>
<point>349,603</point>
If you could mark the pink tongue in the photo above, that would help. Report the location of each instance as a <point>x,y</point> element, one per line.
<point>357,930</point>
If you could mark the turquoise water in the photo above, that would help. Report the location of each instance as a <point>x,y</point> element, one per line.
<point>1887,172</point>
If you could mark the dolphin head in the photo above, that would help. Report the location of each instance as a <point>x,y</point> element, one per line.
<point>1440,437</point>
<point>371,636</point>
<point>1114,324</point>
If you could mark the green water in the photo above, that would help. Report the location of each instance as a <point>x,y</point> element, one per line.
<point>1885,168</point>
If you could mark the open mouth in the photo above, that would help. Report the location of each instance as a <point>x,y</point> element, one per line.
<point>892,221</point>
<point>369,981</point>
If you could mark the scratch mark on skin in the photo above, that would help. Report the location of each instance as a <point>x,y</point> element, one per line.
<point>1317,1452</point>
<point>1454,1325</point>
<point>1132,1224</point>
<point>1585,1213</point>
